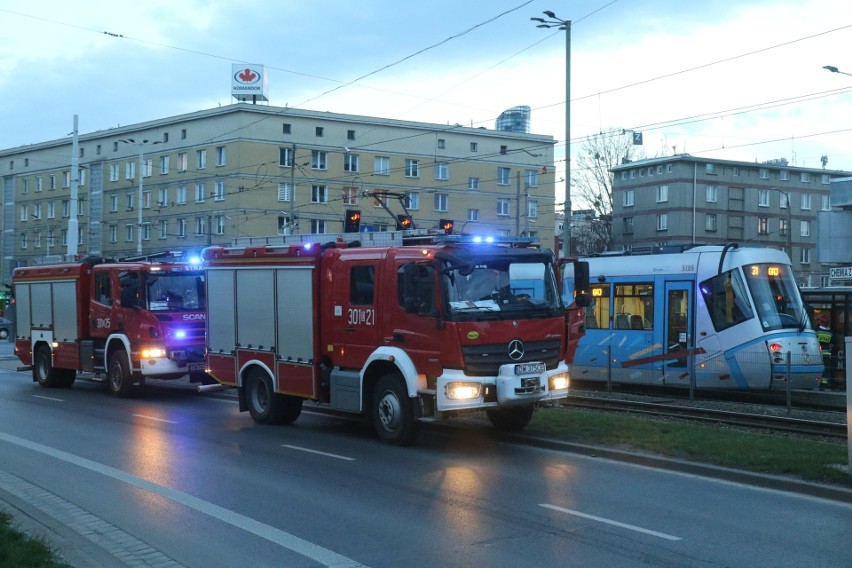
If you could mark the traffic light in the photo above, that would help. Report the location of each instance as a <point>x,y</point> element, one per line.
<point>404,222</point>
<point>352,223</point>
<point>446,225</point>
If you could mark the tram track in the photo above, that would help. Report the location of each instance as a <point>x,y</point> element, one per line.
<point>797,426</point>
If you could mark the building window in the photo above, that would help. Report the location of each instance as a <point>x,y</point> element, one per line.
<point>712,194</point>
<point>183,160</point>
<point>317,226</point>
<point>183,133</point>
<point>763,173</point>
<point>762,225</point>
<point>532,208</point>
<point>128,232</point>
<point>39,184</point>
<point>784,175</point>
<point>285,157</point>
<point>181,228</point>
<point>181,195</point>
<point>783,227</point>
<point>826,202</point>
<point>146,200</point>
<point>164,228</point>
<point>442,143</point>
<point>200,227</point>
<point>825,179</point>
<point>286,128</point>
<point>783,200</point>
<point>473,183</point>
<point>25,212</point>
<point>319,160</point>
<point>662,193</point>
<point>532,178</point>
<point>220,224</point>
<point>350,195</point>
<point>113,233</point>
<point>201,159</point>
<point>806,201</point>
<point>473,214</point>
<point>805,177</point>
<point>350,162</point>
<point>710,222</point>
<point>805,256</point>
<point>628,225</point>
<point>24,240</point>
<point>474,147</point>
<point>129,170</point>
<point>199,192</point>
<point>319,131</point>
<point>442,171</point>
<point>319,194</point>
<point>381,165</point>
<point>51,210</point>
<point>710,169</point>
<point>412,168</point>
<point>504,176</point>
<point>662,222</point>
<point>113,202</point>
<point>164,164</point>
<point>146,231</point>
<point>441,202</point>
<point>504,149</point>
<point>350,135</point>
<point>412,199</point>
<point>763,198</point>
<point>165,138</point>
<point>503,207</point>
<point>219,191</point>
<point>805,228</point>
<point>220,155</point>
<point>163,199</point>
<point>627,201</point>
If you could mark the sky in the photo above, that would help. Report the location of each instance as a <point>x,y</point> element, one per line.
<point>738,80</point>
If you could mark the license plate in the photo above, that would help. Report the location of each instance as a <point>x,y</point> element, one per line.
<point>529,368</point>
<point>195,367</point>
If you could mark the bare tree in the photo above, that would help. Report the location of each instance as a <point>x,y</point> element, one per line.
<point>592,182</point>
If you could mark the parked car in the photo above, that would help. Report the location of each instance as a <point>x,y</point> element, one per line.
<point>5,328</point>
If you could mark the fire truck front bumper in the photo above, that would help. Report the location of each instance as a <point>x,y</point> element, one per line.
<point>517,384</point>
<point>160,363</point>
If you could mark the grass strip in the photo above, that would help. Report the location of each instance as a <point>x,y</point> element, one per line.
<point>772,453</point>
<point>21,551</point>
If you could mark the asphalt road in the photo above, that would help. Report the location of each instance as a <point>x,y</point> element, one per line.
<point>175,478</point>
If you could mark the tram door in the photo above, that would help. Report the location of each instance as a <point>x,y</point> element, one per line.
<point>678,331</point>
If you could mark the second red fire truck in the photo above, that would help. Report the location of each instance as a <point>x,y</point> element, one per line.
<point>396,334</point>
<point>121,321</point>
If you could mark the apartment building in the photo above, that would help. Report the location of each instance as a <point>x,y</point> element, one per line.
<point>218,175</point>
<point>684,199</point>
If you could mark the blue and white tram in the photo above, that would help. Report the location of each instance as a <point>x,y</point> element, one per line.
<point>708,317</point>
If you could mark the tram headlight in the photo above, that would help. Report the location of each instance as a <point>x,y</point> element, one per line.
<point>462,391</point>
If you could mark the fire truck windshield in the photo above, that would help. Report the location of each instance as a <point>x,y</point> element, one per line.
<point>175,291</point>
<point>500,286</point>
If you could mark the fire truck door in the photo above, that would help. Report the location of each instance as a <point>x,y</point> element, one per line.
<point>100,310</point>
<point>354,332</point>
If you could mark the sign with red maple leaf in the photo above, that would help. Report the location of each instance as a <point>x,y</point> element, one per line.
<point>249,82</point>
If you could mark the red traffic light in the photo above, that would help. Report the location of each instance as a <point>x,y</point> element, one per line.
<point>352,223</point>
<point>404,222</point>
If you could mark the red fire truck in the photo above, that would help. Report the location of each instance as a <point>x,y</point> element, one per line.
<point>122,321</point>
<point>393,332</point>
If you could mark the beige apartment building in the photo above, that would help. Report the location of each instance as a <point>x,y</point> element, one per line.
<point>220,175</point>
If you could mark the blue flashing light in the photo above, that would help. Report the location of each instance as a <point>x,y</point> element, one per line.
<point>308,246</point>
<point>195,260</point>
<point>180,334</point>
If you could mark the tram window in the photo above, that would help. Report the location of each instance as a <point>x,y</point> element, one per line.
<point>634,306</point>
<point>726,300</point>
<point>597,312</point>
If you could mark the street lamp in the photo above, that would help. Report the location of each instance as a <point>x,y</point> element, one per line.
<point>554,22</point>
<point>834,69</point>
<point>141,145</point>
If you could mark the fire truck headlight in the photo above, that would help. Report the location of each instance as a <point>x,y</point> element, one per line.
<point>153,353</point>
<point>462,391</point>
<point>559,382</point>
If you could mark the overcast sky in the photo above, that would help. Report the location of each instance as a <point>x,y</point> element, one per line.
<point>740,80</point>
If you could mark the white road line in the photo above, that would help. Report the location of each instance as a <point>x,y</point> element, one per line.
<point>48,398</point>
<point>610,522</point>
<point>155,418</point>
<point>308,549</point>
<point>301,449</point>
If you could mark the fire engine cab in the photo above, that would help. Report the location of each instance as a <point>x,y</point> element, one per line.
<point>396,330</point>
<point>122,321</point>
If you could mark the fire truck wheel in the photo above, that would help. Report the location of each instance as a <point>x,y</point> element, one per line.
<point>119,380</point>
<point>43,371</point>
<point>510,419</point>
<point>393,411</point>
<point>264,405</point>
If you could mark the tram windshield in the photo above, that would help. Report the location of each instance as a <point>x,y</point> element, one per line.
<point>776,297</point>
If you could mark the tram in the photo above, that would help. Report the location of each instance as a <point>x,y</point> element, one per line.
<point>714,317</point>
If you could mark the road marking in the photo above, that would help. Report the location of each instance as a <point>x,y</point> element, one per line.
<point>308,549</point>
<point>155,418</point>
<point>301,449</point>
<point>48,398</point>
<point>610,522</point>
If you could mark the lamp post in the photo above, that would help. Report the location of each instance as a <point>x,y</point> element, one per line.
<point>554,22</point>
<point>141,145</point>
<point>834,69</point>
